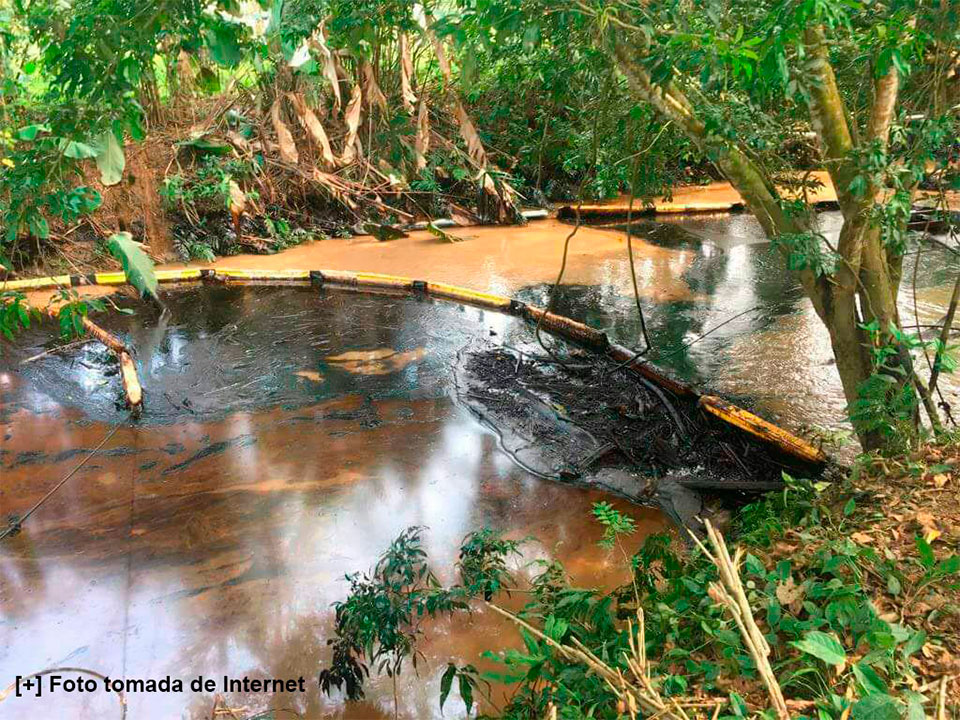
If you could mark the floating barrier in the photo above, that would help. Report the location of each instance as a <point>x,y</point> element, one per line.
<point>569,212</point>
<point>639,210</point>
<point>572,330</point>
<point>760,428</point>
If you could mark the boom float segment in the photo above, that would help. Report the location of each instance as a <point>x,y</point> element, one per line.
<point>559,325</point>
<point>629,359</point>
<point>761,429</point>
<point>484,300</point>
<point>565,327</point>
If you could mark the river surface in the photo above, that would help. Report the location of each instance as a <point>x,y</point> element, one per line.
<point>696,274</point>
<point>289,436</point>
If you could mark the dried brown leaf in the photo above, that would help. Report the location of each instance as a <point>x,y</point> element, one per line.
<point>238,141</point>
<point>469,134</point>
<point>422,145</point>
<point>351,144</point>
<point>438,49</point>
<point>329,65</point>
<point>406,75</point>
<point>288,149</point>
<point>374,95</point>
<point>926,521</point>
<point>791,595</point>
<point>238,198</point>
<point>314,128</point>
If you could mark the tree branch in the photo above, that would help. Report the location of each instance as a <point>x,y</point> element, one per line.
<point>745,176</point>
<point>886,90</point>
<point>828,116</point>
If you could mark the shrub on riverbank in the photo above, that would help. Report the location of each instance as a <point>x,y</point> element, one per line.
<point>841,601</point>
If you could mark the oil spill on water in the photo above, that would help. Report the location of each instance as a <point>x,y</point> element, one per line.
<point>294,468</point>
<point>212,538</point>
<point>766,348</point>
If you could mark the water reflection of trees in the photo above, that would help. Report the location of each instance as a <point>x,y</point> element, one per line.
<point>230,563</point>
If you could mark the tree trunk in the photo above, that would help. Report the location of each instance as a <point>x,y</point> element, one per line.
<point>864,272</point>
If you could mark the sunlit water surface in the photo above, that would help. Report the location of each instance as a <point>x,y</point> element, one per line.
<point>290,435</point>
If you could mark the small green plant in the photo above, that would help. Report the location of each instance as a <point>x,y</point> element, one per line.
<point>468,681</point>
<point>379,624</point>
<point>73,310</point>
<point>197,250</point>
<point>615,524</point>
<point>208,189</point>
<point>483,562</point>
<point>16,314</point>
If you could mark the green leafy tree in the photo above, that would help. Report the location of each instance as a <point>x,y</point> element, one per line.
<point>743,82</point>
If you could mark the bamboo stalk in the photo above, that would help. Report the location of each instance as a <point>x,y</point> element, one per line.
<point>732,596</point>
<point>641,696</point>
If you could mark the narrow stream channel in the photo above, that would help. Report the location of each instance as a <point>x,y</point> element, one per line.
<point>288,437</point>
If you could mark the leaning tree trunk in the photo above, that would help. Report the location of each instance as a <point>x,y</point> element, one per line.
<point>864,286</point>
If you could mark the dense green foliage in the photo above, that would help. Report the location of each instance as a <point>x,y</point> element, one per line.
<point>831,650</point>
<point>75,78</point>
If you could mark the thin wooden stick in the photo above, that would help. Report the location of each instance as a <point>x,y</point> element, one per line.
<point>58,349</point>
<point>644,698</point>
<point>942,700</point>
<point>128,369</point>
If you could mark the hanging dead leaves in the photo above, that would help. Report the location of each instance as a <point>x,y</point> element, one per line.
<point>326,141</point>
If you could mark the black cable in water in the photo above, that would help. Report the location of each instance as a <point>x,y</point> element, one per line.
<point>551,296</point>
<point>16,524</point>
<point>633,270</point>
<point>685,346</point>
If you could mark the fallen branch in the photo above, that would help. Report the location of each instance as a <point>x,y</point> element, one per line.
<point>54,351</point>
<point>641,695</point>
<point>128,369</point>
<point>733,597</point>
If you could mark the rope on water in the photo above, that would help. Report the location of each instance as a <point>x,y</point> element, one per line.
<point>16,523</point>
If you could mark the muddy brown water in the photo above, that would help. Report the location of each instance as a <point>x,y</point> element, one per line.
<point>212,537</point>
<point>288,437</point>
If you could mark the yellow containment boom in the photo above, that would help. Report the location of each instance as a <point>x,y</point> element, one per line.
<point>558,325</point>
<point>761,429</point>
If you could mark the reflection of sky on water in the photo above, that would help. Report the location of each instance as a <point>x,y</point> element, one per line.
<point>766,348</point>
<point>213,540</point>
